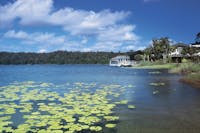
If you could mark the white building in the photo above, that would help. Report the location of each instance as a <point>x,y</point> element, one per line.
<point>121,60</point>
<point>196,54</point>
<point>177,52</point>
<point>197,45</point>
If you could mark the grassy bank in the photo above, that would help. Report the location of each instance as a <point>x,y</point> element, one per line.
<point>186,68</point>
<point>192,79</point>
<point>191,71</point>
<point>155,65</point>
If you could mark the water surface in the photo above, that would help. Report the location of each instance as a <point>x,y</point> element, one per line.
<point>173,107</point>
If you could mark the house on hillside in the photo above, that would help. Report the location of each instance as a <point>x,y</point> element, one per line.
<point>121,60</point>
<point>196,55</point>
<point>177,55</point>
<point>196,45</point>
<point>177,52</point>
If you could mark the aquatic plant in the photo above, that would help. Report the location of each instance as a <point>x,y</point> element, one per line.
<point>155,72</point>
<point>157,84</point>
<point>89,120</point>
<point>43,109</point>
<point>111,118</point>
<point>110,125</point>
<point>123,102</point>
<point>131,107</point>
<point>155,92</point>
<point>95,128</point>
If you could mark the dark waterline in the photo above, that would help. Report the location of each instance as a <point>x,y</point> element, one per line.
<point>175,108</point>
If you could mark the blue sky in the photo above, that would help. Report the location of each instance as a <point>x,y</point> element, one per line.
<point>94,25</point>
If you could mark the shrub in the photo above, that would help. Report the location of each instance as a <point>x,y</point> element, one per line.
<point>138,57</point>
<point>186,68</point>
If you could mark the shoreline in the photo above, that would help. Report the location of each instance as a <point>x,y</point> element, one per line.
<point>157,66</point>
<point>193,83</point>
<point>190,72</point>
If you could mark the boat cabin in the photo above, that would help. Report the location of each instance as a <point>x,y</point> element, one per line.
<point>120,60</point>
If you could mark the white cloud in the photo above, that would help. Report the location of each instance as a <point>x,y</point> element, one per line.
<point>42,51</point>
<point>16,35</point>
<point>104,46</point>
<point>118,33</point>
<point>108,29</point>
<point>45,41</point>
<point>85,22</point>
<point>172,41</point>
<point>133,47</point>
<point>35,38</point>
<point>84,40</point>
<point>33,12</point>
<point>28,11</point>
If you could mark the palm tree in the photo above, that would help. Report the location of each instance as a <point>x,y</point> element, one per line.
<point>197,39</point>
<point>147,53</point>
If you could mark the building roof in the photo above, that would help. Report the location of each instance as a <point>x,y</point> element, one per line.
<point>121,57</point>
<point>197,54</point>
<point>180,45</point>
<point>195,45</point>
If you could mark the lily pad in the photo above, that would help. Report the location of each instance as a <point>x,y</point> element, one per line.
<point>95,128</point>
<point>131,106</point>
<point>110,125</point>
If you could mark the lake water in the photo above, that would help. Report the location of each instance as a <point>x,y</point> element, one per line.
<point>172,107</point>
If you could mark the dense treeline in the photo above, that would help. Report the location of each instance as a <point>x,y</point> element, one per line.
<point>159,50</point>
<point>58,57</point>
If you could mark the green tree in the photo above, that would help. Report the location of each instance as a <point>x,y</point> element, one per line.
<point>138,57</point>
<point>197,39</point>
<point>161,48</point>
<point>147,53</point>
<point>58,57</point>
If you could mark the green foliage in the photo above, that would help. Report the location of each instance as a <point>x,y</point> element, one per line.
<point>132,54</point>
<point>88,107</point>
<point>138,57</point>
<point>58,57</point>
<point>156,65</point>
<point>159,50</point>
<point>148,63</point>
<point>185,60</point>
<point>189,50</point>
<point>131,106</point>
<point>186,68</point>
<point>194,76</point>
<point>109,125</point>
<point>147,53</point>
<point>157,84</point>
<point>197,39</point>
<point>160,47</point>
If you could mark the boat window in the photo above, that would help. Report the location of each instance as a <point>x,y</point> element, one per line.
<point>114,62</point>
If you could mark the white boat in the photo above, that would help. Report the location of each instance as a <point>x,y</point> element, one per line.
<point>121,60</point>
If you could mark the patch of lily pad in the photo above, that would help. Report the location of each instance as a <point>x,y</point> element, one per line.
<point>131,106</point>
<point>109,125</point>
<point>155,72</point>
<point>78,108</point>
<point>157,84</point>
<point>155,92</point>
<point>95,128</point>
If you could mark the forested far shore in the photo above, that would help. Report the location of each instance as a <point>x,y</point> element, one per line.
<point>160,49</point>
<point>58,57</point>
